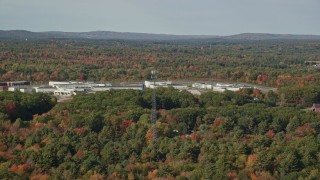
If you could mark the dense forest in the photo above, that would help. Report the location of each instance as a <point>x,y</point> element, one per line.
<point>274,63</point>
<point>107,135</point>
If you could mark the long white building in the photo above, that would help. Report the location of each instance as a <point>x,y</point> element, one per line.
<point>152,84</point>
<point>45,89</point>
<point>202,85</point>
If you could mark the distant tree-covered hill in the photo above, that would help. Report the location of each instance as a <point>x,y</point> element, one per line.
<point>95,35</point>
<point>18,34</point>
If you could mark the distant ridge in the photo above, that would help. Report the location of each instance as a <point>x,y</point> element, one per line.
<point>23,34</point>
<point>266,36</point>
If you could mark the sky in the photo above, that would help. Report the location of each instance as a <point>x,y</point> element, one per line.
<point>181,17</point>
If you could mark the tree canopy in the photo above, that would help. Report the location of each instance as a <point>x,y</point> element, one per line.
<point>215,135</point>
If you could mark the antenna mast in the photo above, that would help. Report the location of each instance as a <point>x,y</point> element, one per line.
<point>154,74</point>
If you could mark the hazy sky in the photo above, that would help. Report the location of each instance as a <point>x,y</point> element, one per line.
<point>212,17</point>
